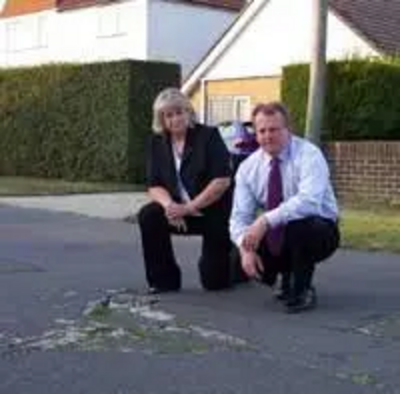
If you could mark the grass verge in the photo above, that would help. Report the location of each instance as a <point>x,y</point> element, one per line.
<point>23,186</point>
<point>374,229</point>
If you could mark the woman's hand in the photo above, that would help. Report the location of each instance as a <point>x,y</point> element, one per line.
<point>179,224</point>
<point>175,211</point>
<point>178,211</point>
<point>175,214</point>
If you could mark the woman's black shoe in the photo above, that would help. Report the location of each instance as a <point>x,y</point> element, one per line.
<point>159,290</point>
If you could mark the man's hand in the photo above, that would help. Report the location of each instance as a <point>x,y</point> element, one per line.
<point>254,234</point>
<point>251,264</point>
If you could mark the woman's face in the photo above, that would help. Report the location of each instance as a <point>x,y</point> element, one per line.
<point>176,120</point>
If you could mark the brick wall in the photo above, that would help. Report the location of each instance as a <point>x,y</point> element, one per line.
<point>366,171</point>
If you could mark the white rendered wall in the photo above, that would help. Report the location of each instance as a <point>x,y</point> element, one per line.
<point>110,32</point>
<point>134,29</point>
<point>281,34</point>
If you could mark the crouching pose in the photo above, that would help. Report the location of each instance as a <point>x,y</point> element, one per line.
<point>284,216</point>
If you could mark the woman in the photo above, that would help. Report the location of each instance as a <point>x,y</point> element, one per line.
<point>188,175</point>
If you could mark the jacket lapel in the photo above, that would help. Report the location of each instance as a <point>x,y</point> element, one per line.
<point>189,146</point>
<point>170,163</point>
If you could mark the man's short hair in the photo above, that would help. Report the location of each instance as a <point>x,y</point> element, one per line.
<point>272,108</point>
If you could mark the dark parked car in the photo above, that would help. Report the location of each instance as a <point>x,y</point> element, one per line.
<point>240,140</point>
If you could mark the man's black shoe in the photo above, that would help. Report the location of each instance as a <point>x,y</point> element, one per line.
<point>282,295</point>
<point>306,301</point>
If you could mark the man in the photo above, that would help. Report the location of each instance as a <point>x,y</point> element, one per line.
<point>288,180</point>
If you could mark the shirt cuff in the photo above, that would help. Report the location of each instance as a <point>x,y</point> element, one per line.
<point>274,217</point>
<point>239,240</point>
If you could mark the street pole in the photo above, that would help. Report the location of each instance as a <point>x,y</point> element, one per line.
<point>316,89</point>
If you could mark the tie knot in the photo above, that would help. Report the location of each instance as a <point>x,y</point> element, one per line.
<point>275,161</point>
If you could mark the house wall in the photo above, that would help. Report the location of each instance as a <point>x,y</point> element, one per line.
<point>135,29</point>
<point>366,171</point>
<point>107,32</point>
<point>260,89</point>
<point>195,99</point>
<point>281,34</point>
<point>183,33</point>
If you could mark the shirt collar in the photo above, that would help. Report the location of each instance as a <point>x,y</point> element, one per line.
<point>284,154</point>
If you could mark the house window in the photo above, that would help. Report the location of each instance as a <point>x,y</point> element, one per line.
<point>242,108</point>
<point>15,40</point>
<point>42,32</point>
<point>228,108</point>
<point>110,22</point>
<point>26,34</point>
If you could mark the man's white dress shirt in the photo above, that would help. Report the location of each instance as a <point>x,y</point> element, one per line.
<point>306,181</point>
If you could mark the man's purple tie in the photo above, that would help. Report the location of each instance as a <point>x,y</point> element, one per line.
<point>274,198</point>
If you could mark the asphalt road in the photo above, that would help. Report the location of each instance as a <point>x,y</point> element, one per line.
<point>53,339</point>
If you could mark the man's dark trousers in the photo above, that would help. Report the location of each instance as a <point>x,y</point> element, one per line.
<point>306,242</point>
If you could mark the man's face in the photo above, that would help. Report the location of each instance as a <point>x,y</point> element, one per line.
<point>176,120</point>
<point>271,132</point>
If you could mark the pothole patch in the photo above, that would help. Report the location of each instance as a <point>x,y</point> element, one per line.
<point>385,327</point>
<point>129,323</point>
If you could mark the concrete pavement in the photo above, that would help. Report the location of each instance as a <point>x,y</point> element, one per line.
<point>101,205</point>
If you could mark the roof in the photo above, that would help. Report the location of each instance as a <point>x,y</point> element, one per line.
<point>21,7</point>
<point>244,18</point>
<point>73,4</point>
<point>234,5</point>
<point>376,21</point>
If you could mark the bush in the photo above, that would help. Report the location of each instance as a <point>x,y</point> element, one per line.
<point>79,122</point>
<point>362,102</point>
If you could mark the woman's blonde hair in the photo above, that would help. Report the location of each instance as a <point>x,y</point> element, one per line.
<point>170,98</point>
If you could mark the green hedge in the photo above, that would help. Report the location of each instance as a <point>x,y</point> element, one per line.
<point>79,122</point>
<point>362,99</point>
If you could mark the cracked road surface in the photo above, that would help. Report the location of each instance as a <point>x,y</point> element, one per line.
<point>73,319</point>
